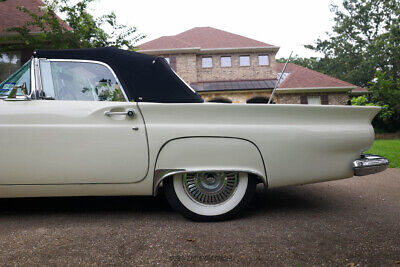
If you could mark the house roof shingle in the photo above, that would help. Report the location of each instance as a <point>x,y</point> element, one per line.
<point>204,38</point>
<point>301,77</point>
<point>11,17</point>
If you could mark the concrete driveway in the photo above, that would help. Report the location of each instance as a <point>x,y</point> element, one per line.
<point>354,221</point>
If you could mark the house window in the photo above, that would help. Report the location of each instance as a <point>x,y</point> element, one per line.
<point>244,60</point>
<point>9,63</point>
<point>167,59</point>
<point>263,60</point>
<point>226,62</point>
<point>206,62</point>
<point>314,100</point>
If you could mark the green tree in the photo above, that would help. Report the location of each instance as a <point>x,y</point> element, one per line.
<point>386,94</point>
<point>364,39</point>
<point>80,29</point>
<point>313,63</point>
<point>363,48</point>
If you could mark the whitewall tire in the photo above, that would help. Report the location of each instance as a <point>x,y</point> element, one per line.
<point>209,196</point>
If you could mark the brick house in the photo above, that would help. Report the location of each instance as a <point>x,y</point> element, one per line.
<point>226,67</point>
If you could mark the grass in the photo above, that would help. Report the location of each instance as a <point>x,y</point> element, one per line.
<point>389,149</point>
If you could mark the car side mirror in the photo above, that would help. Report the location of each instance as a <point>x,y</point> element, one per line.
<point>12,96</point>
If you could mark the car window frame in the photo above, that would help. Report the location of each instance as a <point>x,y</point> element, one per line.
<point>38,76</point>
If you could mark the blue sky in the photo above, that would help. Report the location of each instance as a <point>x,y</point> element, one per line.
<point>289,24</point>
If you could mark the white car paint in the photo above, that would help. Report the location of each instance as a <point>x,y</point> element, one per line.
<point>70,148</point>
<point>210,153</point>
<point>70,142</point>
<point>298,143</point>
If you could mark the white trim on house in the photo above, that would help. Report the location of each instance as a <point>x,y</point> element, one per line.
<point>315,89</point>
<point>200,50</point>
<point>241,49</point>
<point>358,93</point>
<point>8,38</point>
<point>170,51</point>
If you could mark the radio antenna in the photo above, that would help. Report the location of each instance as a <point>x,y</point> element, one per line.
<point>280,77</point>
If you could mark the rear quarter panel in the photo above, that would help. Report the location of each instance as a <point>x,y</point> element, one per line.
<point>299,143</point>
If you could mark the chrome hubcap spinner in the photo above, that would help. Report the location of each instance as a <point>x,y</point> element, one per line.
<point>210,188</point>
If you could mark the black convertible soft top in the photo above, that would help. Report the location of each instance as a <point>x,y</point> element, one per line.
<point>145,78</point>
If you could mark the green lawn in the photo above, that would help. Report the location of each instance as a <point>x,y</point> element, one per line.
<point>389,149</point>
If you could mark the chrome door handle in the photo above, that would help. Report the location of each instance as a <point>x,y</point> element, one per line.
<point>129,113</point>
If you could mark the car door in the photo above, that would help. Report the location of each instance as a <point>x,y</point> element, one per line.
<point>82,131</point>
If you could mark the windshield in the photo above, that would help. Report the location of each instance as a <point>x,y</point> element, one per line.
<point>21,76</point>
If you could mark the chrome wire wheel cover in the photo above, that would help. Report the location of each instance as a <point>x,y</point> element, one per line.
<point>210,188</point>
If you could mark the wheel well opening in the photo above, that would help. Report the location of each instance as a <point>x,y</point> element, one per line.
<point>256,177</point>
<point>159,187</point>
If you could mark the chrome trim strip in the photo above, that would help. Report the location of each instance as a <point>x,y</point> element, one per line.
<point>33,79</point>
<point>38,78</point>
<point>263,176</point>
<point>95,62</point>
<point>369,164</point>
<point>161,174</point>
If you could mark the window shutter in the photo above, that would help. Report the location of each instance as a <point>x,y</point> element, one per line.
<point>324,100</point>
<point>303,99</point>
<point>172,62</point>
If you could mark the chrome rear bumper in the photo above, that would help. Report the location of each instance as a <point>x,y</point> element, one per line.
<point>369,164</point>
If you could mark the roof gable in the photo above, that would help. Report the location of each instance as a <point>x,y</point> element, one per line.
<point>204,38</point>
<point>166,42</point>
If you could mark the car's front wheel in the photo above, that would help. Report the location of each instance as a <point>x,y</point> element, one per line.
<point>209,196</point>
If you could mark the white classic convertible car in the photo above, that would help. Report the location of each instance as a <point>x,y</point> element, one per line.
<point>102,122</point>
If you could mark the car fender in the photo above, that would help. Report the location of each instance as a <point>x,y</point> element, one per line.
<point>198,154</point>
